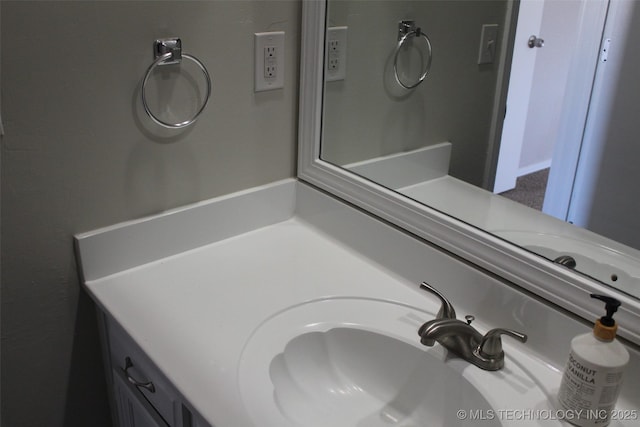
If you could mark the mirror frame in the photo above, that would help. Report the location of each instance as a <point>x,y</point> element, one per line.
<point>552,282</point>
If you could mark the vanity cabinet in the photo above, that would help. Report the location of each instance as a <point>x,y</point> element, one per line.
<point>132,409</point>
<point>141,395</point>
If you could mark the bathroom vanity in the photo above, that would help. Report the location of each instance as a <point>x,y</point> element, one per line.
<point>298,303</point>
<point>282,305</point>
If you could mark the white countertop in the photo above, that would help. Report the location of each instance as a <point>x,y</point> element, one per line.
<point>193,312</point>
<point>197,310</point>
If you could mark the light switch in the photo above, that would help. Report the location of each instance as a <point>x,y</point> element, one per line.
<point>488,44</point>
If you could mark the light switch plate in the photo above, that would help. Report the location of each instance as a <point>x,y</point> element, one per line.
<point>269,61</point>
<point>488,44</point>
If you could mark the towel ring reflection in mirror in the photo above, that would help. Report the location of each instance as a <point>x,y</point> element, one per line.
<point>166,52</point>
<point>407,30</point>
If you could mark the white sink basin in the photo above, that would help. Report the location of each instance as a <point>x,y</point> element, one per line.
<point>358,362</point>
<point>354,377</point>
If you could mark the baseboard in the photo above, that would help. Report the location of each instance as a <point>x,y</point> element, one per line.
<point>526,170</point>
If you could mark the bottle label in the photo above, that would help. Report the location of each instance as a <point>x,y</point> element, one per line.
<point>589,391</point>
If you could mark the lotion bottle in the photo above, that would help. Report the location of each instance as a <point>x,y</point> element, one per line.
<point>593,376</point>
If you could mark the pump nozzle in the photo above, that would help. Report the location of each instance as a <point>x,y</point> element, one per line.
<point>611,305</point>
<point>605,327</point>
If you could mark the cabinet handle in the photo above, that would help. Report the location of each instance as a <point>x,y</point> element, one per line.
<point>148,385</point>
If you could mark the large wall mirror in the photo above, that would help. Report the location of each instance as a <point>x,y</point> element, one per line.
<point>432,114</point>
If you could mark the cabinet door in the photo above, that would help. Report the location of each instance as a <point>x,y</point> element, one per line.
<point>133,408</point>
<point>126,354</point>
<point>193,419</point>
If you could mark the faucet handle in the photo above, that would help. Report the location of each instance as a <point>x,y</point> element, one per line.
<point>446,309</point>
<point>491,344</point>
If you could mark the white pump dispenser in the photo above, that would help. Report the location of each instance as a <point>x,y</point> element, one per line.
<point>593,376</point>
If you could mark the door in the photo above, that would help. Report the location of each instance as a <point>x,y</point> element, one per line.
<point>546,104</point>
<point>578,94</point>
<point>520,86</point>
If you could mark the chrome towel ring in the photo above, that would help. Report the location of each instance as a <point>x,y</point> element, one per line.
<point>407,30</point>
<point>166,52</point>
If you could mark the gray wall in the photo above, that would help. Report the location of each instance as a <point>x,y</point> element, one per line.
<point>368,115</point>
<point>78,153</point>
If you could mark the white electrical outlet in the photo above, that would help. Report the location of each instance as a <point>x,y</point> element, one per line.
<point>336,54</point>
<point>269,61</point>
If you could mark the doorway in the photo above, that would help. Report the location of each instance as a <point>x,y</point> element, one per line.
<point>549,94</point>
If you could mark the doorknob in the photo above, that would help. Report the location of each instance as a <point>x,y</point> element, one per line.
<point>535,42</point>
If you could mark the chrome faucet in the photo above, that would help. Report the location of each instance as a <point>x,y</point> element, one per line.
<point>463,339</point>
<point>566,260</point>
